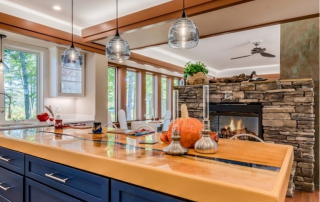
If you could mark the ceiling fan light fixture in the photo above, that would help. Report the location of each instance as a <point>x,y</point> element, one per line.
<point>117,48</point>
<point>72,57</point>
<point>183,33</point>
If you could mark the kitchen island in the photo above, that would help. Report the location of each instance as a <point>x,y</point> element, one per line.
<point>240,171</point>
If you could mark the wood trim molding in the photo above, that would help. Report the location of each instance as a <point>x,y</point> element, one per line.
<point>156,63</point>
<point>111,64</point>
<point>35,30</point>
<point>155,15</point>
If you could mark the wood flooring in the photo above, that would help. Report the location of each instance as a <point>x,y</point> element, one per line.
<point>301,196</point>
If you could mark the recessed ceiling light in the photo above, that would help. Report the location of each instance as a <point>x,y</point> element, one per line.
<point>58,8</point>
<point>132,61</point>
<point>148,65</point>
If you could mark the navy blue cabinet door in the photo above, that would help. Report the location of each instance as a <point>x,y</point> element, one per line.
<point>80,184</point>
<point>11,186</point>
<point>122,192</point>
<point>36,192</point>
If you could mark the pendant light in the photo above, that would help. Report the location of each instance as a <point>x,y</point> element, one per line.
<point>72,56</point>
<point>118,48</point>
<point>183,33</point>
<point>1,62</point>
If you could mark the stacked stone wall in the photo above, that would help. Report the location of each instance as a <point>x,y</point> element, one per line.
<point>288,117</point>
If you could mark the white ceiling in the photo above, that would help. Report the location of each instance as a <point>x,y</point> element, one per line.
<point>248,14</point>
<point>86,12</point>
<point>216,52</point>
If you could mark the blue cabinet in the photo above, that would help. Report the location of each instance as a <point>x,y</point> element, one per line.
<point>36,192</point>
<point>123,192</point>
<point>12,160</point>
<point>25,178</point>
<point>11,186</point>
<point>77,183</point>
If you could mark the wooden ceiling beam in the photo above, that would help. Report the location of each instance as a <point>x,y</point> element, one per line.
<point>155,15</point>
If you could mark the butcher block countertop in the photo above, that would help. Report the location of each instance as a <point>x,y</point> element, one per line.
<point>239,171</point>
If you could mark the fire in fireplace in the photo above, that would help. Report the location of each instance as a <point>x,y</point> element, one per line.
<point>231,119</point>
<point>236,127</point>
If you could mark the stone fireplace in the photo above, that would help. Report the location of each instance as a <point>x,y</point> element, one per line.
<point>287,117</point>
<point>232,119</point>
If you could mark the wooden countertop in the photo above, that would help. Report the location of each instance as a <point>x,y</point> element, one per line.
<point>240,171</point>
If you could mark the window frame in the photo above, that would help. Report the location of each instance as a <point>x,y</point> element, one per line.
<point>153,94</point>
<point>116,92</point>
<point>167,95</point>
<point>40,52</point>
<point>136,97</point>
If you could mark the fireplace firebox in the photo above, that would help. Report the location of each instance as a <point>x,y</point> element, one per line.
<point>232,119</point>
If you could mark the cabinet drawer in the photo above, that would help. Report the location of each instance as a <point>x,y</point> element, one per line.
<point>80,184</point>
<point>123,192</point>
<point>11,186</point>
<point>36,192</point>
<point>12,160</point>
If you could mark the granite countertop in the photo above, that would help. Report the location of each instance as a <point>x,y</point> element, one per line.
<point>250,170</point>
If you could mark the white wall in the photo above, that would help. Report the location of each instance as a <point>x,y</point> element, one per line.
<point>95,101</point>
<point>96,96</point>
<point>101,80</point>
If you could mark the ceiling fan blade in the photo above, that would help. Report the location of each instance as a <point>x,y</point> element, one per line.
<point>264,54</point>
<point>240,57</point>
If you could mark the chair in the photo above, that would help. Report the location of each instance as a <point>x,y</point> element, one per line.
<point>110,121</point>
<point>122,118</point>
<point>247,135</point>
<point>166,120</point>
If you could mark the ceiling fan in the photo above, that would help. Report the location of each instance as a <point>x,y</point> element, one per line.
<point>257,50</point>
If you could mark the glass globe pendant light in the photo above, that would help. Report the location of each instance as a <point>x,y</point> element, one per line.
<point>1,62</point>
<point>118,48</point>
<point>72,56</point>
<point>183,33</point>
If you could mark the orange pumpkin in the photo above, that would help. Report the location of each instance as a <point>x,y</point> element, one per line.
<point>189,128</point>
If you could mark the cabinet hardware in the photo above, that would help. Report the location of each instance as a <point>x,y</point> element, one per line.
<point>56,178</point>
<point>4,188</point>
<point>4,159</point>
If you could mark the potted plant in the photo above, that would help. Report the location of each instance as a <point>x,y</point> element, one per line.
<point>196,73</point>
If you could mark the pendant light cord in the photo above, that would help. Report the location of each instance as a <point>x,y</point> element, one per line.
<point>117,33</point>
<point>1,49</point>
<point>72,23</point>
<point>183,10</point>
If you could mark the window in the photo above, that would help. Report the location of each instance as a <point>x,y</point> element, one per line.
<point>112,92</point>
<point>175,82</point>
<point>131,95</point>
<point>163,95</point>
<point>149,96</point>
<point>21,83</point>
